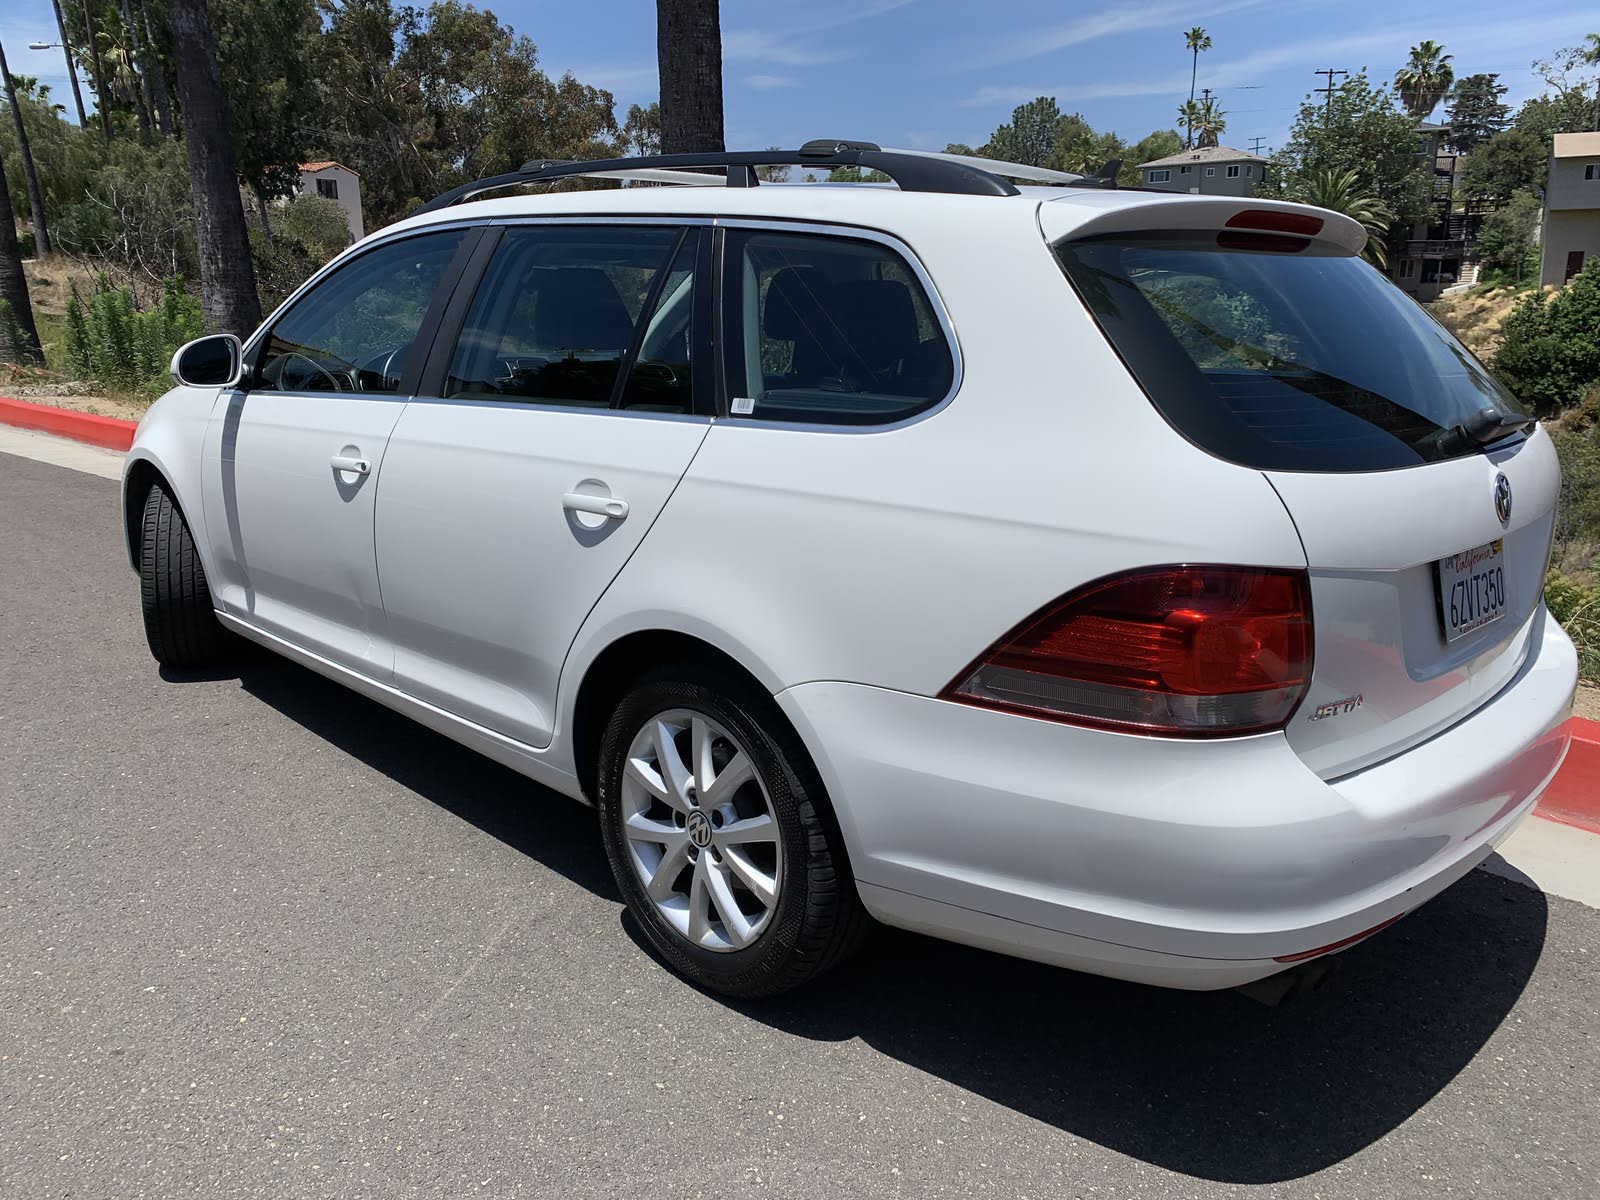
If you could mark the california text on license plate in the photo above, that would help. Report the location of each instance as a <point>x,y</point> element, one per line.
<point>1472,589</point>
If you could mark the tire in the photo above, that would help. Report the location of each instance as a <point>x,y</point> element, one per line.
<point>815,919</point>
<point>179,621</point>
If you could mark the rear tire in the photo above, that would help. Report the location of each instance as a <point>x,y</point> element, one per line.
<point>179,621</point>
<point>772,828</point>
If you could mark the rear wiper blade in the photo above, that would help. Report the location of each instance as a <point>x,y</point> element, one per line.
<point>1484,427</point>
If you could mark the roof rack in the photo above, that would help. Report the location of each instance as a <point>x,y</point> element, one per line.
<point>912,170</point>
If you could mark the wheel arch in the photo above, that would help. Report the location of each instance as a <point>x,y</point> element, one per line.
<point>140,475</point>
<point>633,654</point>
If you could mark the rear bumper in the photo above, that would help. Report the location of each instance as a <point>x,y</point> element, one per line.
<point>1184,863</point>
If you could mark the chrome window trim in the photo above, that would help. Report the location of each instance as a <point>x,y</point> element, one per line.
<point>930,289</point>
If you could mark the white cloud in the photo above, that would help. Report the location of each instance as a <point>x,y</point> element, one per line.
<point>1035,42</point>
<point>760,45</point>
<point>764,82</point>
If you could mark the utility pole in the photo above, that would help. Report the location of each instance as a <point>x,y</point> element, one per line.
<point>1255,145</point>
<point>1327,104</point>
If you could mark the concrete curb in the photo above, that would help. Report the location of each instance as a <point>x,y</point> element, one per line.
<point>1573,797</point>
<point>110,432</point>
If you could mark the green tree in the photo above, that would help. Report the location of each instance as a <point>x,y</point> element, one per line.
<point>641,132</point>
<point>1506,240</point>
<point>1566,105</point>
<point>1210,123</point>
<point>1425,79</point>
<point>1030,136</point>
<point>1476,112</point>
<point>1550,345</point>
<point>1079,148</point>
<point>272,96</point>
<point>1197,40</point>
<point>1507,163</point>
<point>1360,129</point>
<point>1344,192</point>
<point>1160,144</point>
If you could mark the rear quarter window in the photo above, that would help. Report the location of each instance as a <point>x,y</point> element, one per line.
<point>1282,361</point>
<point>832,330</point>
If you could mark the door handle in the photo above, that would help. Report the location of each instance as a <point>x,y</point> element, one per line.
<point>351,463</point>
<point>600,506</point>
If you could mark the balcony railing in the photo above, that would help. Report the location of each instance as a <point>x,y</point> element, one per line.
<point>1436,248</point>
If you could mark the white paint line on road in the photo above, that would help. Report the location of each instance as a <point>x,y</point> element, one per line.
<point>1552,857</point>
<point>60,452</point>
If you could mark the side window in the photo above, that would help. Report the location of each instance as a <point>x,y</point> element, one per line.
<point>563,309</point>
<point>831,330</point>
<point>353,331</point>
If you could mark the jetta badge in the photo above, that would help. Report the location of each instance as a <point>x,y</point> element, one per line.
<point>1502,499</point>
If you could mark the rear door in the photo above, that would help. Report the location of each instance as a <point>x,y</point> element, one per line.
<point>564,399</point>
<point>293,460</point>
<point>1424,506</point>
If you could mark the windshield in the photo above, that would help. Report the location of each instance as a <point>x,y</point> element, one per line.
<point>1290,362</point>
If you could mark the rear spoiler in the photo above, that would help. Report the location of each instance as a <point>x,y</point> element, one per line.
<point>1292,226</point>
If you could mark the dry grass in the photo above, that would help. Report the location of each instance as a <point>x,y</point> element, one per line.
<point>1477,316</point>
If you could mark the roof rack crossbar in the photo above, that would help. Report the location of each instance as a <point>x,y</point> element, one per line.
<point>913,171</point>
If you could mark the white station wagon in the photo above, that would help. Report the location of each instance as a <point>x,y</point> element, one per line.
<point>1131,581</point>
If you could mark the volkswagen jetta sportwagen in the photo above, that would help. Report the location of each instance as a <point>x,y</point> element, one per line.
<point>1132,581</point>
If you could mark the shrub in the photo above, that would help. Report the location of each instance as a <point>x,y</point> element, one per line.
<point>1550,348</point>
<point>1577,607</point>
<point>110,343</point>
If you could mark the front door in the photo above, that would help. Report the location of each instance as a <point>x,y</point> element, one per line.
<point>549,435</point>
<point>1574,263</point>
<point>292,460</point>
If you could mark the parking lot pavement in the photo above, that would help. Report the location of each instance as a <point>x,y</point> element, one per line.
<point>261,937</point>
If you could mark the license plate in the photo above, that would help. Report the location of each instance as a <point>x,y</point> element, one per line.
<point>1472,589</point>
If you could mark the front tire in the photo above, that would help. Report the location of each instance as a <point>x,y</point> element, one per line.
<point>179,621</point>
<point>713,823</point>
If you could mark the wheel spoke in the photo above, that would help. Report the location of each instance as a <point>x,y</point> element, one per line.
<point>642,829</point>
<point>739,771</point>
<point>648,778</point>
<point>701,739</point>
<point>667,871</point>
<point>762,886</point>
<point>670,763</point>
<point>734,921</point>
<point>699,898</point>
<point>751,829</point>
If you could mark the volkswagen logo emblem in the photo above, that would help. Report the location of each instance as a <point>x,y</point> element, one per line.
<point>1502,499</point>
<point>699,829</point>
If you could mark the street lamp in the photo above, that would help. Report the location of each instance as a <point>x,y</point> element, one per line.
<point>72,71</point>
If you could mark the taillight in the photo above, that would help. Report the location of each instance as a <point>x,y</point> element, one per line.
<point>1182,651</point>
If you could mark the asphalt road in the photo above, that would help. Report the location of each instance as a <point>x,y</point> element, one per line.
<point>261,937</point>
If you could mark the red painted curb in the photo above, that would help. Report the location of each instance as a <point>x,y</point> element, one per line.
<point>110,432</point>
<point>1573,797</point>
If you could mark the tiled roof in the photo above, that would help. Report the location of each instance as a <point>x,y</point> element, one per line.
<point>323,166</point>
<point>1204,154</point>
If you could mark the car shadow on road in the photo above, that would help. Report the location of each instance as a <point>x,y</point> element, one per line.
<point>526,816</point>
<point>1210,1084</point>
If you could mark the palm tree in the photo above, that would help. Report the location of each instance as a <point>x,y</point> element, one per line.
<point>1196,40</point>
<point>227,280</point>
<point>1188,118</point>
<point>14,284</point>
<point>30,174</point>
<point>1424,80</point>
<point>1342,192</point>
<point>102,101</point>
<point>1211,121</point>
<point>1591,55</point>
<point>689,63</point>
<point>72,67</point>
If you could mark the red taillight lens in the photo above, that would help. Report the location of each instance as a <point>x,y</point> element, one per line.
<point>1182,651</point>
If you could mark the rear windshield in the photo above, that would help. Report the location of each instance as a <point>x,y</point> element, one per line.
<point>1288,362</point>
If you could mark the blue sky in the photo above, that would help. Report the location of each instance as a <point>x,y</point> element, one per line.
<point>925,72</point>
